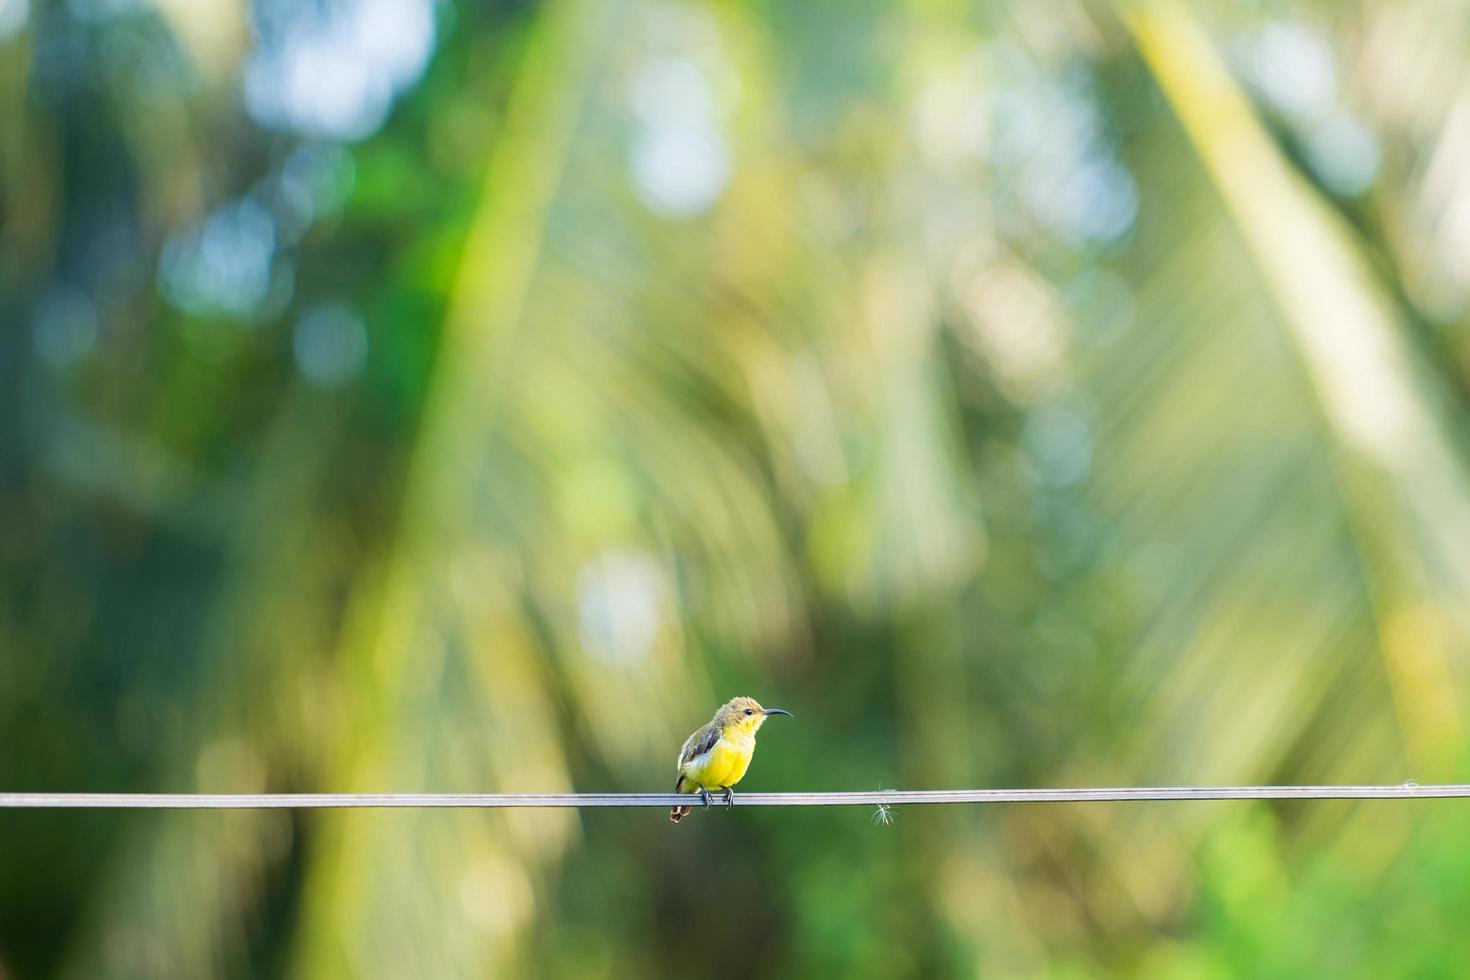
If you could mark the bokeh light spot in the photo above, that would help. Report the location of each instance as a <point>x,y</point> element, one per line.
<point>13,17</point>
<point>1058,443</point>
<point>680,170</point>
<point>224,265</point>
<point>680,161</point>
<point>65,327</point>
<point>1343,151</point>
<point>330,343</point>
<point>620,599</point>
<point>1291,67</point>
<point>333,69</point>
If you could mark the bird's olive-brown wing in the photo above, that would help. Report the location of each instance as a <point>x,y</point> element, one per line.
<point>698,744</point>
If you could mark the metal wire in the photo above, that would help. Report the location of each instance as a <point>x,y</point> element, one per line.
<point>887,797</point>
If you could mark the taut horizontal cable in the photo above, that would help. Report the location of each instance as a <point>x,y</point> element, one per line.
<point>887,797</point>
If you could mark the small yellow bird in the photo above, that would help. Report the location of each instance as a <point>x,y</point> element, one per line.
<point>717,755</point>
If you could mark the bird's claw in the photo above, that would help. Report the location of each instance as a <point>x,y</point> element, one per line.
<point>704,797</point>
<point>729,796</point>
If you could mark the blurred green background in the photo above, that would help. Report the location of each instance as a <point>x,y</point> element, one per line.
<point>408,396</point>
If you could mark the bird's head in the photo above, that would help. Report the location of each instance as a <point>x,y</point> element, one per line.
<point>746,715</point>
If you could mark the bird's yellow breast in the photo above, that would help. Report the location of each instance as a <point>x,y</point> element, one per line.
<point>723,765</point>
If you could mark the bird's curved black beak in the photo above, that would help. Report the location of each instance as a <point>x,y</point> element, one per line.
<point>778,711</point>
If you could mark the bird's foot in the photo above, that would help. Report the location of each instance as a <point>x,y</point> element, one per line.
<point>704,797</point>
<point>729,797</point>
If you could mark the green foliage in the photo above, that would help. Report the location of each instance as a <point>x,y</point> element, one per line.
<point>961,385</point>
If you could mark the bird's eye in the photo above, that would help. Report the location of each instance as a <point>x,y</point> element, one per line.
<point>750,711</point>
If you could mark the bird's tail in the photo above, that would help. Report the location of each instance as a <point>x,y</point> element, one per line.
<point>678,813</point>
